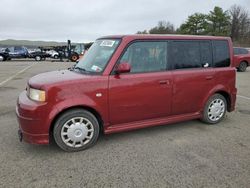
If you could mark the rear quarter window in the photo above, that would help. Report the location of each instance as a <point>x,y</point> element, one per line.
<point>221,53</point>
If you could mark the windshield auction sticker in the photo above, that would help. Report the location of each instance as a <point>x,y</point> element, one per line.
<point>108,43</point>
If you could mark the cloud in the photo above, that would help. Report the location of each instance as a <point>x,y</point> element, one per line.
<point>81,20</point>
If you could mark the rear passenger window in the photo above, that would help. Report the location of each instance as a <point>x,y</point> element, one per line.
<point>186,54</point>
<point>236,51</point>
<point>221,54</point>
<point>146,56</point>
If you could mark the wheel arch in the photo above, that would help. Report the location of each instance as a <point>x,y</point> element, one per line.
<point>227,97</point>
<point>219,89</point>
<point>83,107</point>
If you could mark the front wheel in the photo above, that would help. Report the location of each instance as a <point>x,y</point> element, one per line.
<point>38,58</point>
<point>74,57</point>
<point>76,130</point>
<point>215,109</point>
<point>2,58</point>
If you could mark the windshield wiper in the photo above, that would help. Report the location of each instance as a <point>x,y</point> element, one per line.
<point>80,69</point>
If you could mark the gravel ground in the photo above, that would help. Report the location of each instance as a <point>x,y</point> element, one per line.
<point>188,154</point>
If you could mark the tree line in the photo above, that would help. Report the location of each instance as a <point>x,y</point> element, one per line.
<point>234,23</point>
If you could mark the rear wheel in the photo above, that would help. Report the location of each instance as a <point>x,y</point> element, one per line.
<point>242,66</point>
<point>76,130</point>
<point>215,109</point>
<point>56,56</point>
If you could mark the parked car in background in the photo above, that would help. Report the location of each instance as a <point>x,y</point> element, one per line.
<point>38,55</point>
<point>54,54</point>
<point>129,82</point>
<point>17,52</point>
<point>4,56</point>
<point>241,59</point>
<point>23,52</point>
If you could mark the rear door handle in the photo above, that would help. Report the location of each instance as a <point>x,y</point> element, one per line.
<point>209,77</point>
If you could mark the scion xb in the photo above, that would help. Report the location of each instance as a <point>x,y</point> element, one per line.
<point>129,82</point>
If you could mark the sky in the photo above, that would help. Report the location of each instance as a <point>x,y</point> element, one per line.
<point>86,20</point>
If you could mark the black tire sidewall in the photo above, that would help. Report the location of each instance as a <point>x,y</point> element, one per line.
<point>74,57</point>
<point>243,66</point>
<point>205,117</point>
<point>64,118</point>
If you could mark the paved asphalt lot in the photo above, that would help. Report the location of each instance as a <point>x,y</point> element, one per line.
<point>188,154</point>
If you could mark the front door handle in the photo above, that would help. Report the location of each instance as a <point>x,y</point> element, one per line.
<point>209,77</point>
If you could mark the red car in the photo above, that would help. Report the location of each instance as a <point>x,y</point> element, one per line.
<point>241,59</point>
<point>129,82</point>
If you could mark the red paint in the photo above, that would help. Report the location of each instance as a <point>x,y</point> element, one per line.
<point>128,101</point>
<point>241,58</point>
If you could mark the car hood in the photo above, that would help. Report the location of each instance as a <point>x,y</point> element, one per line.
<point>47,79</point>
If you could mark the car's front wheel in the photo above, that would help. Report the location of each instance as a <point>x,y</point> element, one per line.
<point>215,109</point>
<point>76,130</point>
<point>38,58</point>
<point>74,57</point>
<point>1,58</point>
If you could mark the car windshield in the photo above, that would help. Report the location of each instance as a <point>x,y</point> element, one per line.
<point>97,57</point>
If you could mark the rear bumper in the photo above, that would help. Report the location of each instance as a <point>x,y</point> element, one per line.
<point>33,121</point>
<point>233,100</point>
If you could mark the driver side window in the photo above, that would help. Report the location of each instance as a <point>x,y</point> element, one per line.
<point>146,56</point>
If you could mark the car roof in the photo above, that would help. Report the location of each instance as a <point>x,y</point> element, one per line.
<point>167,36</point>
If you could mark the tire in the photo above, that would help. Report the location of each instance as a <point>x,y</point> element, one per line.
<point>74,57</point>
<point>38,58</point>
<point>242,66</point>
<point>215,109</point>
<point>76,130</point>
<point>56,56</point>
<point>2,58</point>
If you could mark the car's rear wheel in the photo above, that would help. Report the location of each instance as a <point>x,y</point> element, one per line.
<point>76,130</point>
<point>242,66</point>
<point>215,109</point>
<point>56,56</point>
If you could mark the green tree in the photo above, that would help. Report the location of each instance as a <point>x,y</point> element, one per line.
<point>163,27</point>
<point>219,22</point>
<point>196,24</point>
<point>142,32</point>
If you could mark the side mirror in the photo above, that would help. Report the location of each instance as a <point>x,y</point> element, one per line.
<point>123,67</point>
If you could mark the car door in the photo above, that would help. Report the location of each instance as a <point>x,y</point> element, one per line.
<point>11,52</point>
<point>193,74</point>
<point>146,92</point>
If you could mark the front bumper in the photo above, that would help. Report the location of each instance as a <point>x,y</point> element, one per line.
<point>33,120</point>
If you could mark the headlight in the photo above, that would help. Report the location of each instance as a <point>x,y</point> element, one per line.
<point>36,95</point>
